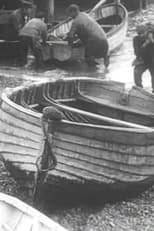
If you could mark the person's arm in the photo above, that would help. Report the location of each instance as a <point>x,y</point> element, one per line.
<point>14,23</point>
<point>72,33</point>
<point>138,47</point>
<point>44,33</point>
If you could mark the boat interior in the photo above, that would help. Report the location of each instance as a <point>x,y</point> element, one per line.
<point>16,215</point>
<point>78,98</point>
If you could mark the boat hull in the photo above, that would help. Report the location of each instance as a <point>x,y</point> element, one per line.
<point>15,213</point>
<point>93,156</point>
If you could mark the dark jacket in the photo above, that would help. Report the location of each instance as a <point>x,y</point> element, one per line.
<point>36,29</point>
<point>17,20</point>
<point>145,53</point>
<point>86,28</point>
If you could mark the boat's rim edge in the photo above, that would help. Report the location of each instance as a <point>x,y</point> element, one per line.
<point>9,91</point>
<point>30,210</point>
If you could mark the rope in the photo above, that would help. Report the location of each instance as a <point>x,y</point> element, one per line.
<point>52,115</point>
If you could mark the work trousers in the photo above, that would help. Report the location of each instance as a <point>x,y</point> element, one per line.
<point>97,49</point>
<point>35,46</point>
<point>139,70</point>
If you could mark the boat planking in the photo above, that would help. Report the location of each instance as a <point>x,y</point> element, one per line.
<point>112,17</point>
<point>96,152</point>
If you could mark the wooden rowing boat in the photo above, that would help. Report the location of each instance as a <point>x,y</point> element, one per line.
<point>16,215</point>
<point>112,17</point>
<point>92,151</point>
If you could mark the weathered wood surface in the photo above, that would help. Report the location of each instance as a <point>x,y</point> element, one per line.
<point>116,35</point>
<point>133,105</point>
<point>86,152</point>
<point>16,215</point>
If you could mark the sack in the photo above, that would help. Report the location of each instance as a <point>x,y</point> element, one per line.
<point>46,53</point>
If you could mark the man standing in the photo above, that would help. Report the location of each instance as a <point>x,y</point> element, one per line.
<point>91,35</point>
<point>33,35</point>
<point>143,45</point>
<point>17,20</point>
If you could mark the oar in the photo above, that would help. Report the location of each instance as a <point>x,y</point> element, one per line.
<point>96,116</point>
<point>104,118</point>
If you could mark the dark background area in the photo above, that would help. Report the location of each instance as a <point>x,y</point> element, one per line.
<point>61,5</point>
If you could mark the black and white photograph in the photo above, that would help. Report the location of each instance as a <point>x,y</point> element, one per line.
<point>76,115</point>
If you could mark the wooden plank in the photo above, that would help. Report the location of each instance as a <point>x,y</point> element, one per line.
<point>123,149</point>
<point>15,148</point>
<point>8,126</point>
<point>5,116</point>
<point>108,175</point>
<point>19,132</point>
<point>107,133</point>
<point>81,174</point>
<point>64,175</point>
<point>19,140</point>
<point>21,115</point>
<point>19,157</point>
<point>104,154</point>
<point>93,163</point>
<point>96,171</point>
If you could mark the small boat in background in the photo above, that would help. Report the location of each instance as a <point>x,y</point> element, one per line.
<point>112,17</point>
<point>89,151</point>
<point>17,215</point>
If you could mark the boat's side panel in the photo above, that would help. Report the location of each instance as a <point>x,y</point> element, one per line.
<point>21,140</point>
<point>102,155</point>
<point>84,152</point>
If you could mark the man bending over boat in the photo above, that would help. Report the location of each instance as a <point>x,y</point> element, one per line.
<point>143,45</point>
<point>33,35</point>
<point>91,35</point>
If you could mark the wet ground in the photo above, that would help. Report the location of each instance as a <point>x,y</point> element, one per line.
<point>135,214</point>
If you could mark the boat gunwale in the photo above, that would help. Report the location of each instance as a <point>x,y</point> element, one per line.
<point>110,33</point>
<point>123,22</point>
<point>27,209</point>
<point>5,98</point>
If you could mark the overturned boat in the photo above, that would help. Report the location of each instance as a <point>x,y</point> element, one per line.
<point>112,17</point>
<point>45,123</point>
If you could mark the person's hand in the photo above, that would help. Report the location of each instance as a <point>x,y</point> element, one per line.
<point>147,41</point>
<point>150,37</point>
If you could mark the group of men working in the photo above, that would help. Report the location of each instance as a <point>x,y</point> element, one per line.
<point>34,33</point>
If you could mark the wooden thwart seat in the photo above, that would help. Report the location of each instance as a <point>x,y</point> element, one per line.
<point>116,106</point>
